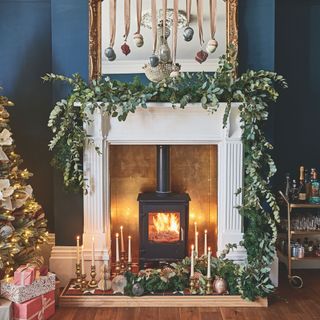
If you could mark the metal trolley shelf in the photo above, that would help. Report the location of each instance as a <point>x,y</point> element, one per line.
<point>295,280</point>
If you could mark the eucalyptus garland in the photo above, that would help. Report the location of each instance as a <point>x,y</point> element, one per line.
<point>253,89</point>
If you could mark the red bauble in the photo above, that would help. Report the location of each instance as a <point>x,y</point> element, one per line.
<point>201,56</point>
<point>125,49</point>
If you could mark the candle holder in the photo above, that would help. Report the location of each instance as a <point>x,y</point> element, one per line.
<point>93,282</point>
<point>129,266</point>
<point>118,269</point>
<point>83,282</point>
<point>122,262</point>
<point>78,274</point>
<point>193,285</point>
<point>208,285</point>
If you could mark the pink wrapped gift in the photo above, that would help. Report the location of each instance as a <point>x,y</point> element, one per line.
<point>39,308</point>
<point>24,275</point>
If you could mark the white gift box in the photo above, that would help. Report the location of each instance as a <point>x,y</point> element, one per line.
<point>5,309</point>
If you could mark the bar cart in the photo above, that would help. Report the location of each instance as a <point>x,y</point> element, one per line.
<point>295,280</point>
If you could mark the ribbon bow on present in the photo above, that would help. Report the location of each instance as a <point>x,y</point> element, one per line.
<point>5,140</point>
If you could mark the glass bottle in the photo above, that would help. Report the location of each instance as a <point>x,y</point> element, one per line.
<point>315,188</point>
<point>287,189</point>
<point>302,195</point>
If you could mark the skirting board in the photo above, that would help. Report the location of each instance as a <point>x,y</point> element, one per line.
<point>159,301</point>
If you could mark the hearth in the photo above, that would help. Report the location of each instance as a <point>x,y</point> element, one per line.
<point>163,218</point>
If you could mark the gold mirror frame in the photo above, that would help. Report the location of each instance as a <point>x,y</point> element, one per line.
<point>95,33</point>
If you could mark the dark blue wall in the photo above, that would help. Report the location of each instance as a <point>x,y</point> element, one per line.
<point>69,55</point>
<point>25,56</point>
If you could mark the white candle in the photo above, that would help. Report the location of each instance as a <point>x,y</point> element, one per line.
<point>209,263</point>
<point>129,249</point>
<point>195,228</point>
<point>117,248</point>
<point>121,236</point>
<point>82,261</point>
<point>78,250</point>
<point>192,262</point>
<point>205,242</point>
<point>92,253</point>
<point>196,244</point>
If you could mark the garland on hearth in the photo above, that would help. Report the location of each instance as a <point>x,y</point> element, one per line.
<point>253,89</point>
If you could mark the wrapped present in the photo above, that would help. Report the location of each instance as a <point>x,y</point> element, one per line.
<point>5,309</point>
<point>24,275</point>
<point>39,308</point>
<point>19,294</point>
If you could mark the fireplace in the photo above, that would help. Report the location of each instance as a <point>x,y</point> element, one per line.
<point>163,218</point>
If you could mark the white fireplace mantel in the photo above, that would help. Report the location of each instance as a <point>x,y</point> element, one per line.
<point>161,124</point>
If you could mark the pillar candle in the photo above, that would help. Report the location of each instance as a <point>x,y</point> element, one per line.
<point>209,263</point>
<point>205,242</point>
<point>129,249</point>
<point>117,248</point>
<point>121,236</point>
<point>196,244</point>
<point>192,262</point>
<point>92,253</point>
<point>82,261</point>
<point>78,250</point>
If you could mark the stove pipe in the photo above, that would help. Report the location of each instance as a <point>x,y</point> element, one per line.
<point>163,169</point>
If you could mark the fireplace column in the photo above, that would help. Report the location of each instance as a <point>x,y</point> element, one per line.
<point>96,199</point>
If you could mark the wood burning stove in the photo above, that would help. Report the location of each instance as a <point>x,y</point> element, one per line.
<point>163,218</point>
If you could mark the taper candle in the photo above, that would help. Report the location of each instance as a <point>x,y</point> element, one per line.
<point>129,249</point>
<point>92,253</point>
<point>192,262</point>
<point>78,249</point>
<point>195,227</point>
<point>205,242</point>
<point>82,261</point>
<point>209,263</point>
<point>121,236</point>
<point>196,244</point>
<point>117,248</point>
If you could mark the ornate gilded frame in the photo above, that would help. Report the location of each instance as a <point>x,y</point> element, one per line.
<point>95,33</point>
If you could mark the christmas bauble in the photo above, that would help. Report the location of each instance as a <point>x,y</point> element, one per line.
<point>137,290</point>
<point>138,40</point>
<point>164,53</point>
<point>212,46</point>
<point>110,54</point>
<point>118,284</point>
<point>220,286</point>
<point>154,60</point>
<point>188,34</point>
<point>201,56</point>
<point>6,230</point>
<point>125,49</point>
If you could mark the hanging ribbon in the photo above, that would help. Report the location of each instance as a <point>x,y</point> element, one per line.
<point>188,11</point>
<point>200,20</point>
<point>127,5</point>
<point>113,21</point>
<point>175,31</point>
<point>139,15</point>
<point>164,17</point>
<point>213,17</point>
<point>154,23</point>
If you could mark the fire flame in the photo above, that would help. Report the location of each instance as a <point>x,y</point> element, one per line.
<point>165,222</point>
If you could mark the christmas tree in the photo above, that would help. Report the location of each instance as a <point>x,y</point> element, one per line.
<point>22,220</point>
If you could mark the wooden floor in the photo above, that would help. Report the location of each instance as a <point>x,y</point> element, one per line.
<point>288,304</point>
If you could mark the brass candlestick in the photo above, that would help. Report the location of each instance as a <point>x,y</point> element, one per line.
<point>193,282</point>
<point>93,282</point>
<point>78,274</point>
<point>83,282</point>
<point>122,262</point>
<point>208,285</point>
<point>118,268</point>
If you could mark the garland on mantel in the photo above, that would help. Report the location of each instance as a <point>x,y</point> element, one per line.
<point>253,89</point>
